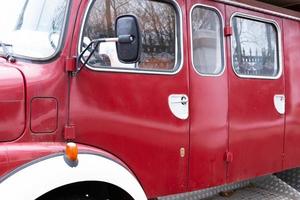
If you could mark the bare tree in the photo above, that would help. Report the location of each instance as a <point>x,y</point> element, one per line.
<point>108,17</point>
<point>237,36</point>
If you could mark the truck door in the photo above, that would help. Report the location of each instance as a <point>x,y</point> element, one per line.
<point>136,111</point>
<point>292,71</point>
<point>208,95</point>
<point>256,94</point>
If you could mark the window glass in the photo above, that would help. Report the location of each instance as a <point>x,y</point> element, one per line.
<point>32,28</point>
<point>157,21</point>
<point>254,48</point>
<point>207,41</point>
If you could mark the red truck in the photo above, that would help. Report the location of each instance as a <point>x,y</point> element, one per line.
<point>139,99</point>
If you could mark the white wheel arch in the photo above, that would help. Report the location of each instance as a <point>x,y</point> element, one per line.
<point>43,176</point>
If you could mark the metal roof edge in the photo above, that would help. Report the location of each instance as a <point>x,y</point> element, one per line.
<point>264,8</point>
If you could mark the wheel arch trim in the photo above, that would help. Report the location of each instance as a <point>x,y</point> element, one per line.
<point>44,175</point>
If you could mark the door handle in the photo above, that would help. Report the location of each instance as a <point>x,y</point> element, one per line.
<point>279,103</point>
<point>184,100</point>
<point>178,104</point>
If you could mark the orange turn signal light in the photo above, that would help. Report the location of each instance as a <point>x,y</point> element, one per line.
<point>71,151</point>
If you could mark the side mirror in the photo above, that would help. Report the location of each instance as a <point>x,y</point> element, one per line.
<point>128,43</point>
<point>128,52</point>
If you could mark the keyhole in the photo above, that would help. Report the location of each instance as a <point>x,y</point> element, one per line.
<point>183,100</point>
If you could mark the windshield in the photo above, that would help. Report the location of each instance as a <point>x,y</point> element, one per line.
<point>32,28</point>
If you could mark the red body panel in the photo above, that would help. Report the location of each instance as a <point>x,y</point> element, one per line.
<point>208,127</point>
<point>43,117</point>
<point>126,115</point>
<point>38,80</point>
<point>12,104</point>
<point>256,129</point>
<point>292,71</point>
<point>13,155</point>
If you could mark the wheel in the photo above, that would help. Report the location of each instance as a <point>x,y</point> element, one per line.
<point>87,191</point>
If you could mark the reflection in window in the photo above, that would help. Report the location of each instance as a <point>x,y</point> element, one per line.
<point>34,27</point>
<point>255,48</point>
<point>207,41</point>
<point>157,22</point>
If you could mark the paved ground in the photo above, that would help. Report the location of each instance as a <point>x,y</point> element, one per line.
<point>263,188</point>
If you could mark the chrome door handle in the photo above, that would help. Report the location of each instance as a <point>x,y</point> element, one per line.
<point>184,100</point>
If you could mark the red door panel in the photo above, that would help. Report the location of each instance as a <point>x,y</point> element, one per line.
<point>256,129</point>
<point>292,71</point>
<point>127,114</point>
<point>208,115</point>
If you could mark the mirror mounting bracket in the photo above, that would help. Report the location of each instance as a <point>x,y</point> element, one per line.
<point>96,43</point>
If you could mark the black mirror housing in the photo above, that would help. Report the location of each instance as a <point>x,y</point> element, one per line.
<point>128,52</point>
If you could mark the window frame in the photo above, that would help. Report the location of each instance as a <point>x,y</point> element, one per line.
<point>279,45</point>
<point>179,56</point>
<point>221,18</point>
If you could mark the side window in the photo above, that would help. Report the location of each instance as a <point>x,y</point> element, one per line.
<point>158,24</point>
<point>255,48</point>
<point>207,41</point>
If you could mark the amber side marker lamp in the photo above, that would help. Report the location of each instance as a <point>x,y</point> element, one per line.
<point>71,151</point>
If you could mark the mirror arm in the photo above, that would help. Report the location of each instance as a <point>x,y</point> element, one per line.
<point>78,60</point>
<point>121,39</point>
<point>88,58</point>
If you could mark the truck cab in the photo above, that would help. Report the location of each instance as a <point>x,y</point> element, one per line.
<point>142,99</point>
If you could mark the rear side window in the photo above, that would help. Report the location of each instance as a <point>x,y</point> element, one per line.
<point>207,41</point>
<point>255,48</point>
<point>158,24</point>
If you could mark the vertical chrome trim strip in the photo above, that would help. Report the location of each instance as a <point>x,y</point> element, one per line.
<point>179,32</point>
<point>222,35</point>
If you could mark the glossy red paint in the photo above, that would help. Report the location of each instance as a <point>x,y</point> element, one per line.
<point>292,72</point>
<point>43,117</point>
<point>18,155</point>
<point>126,116</point>
<point>12,103</point>
<point>256,129</point>
<point>208,121</point>
<point>3,161</point>
<point>24,81</point>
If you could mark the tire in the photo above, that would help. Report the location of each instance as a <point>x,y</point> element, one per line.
<point>75,197</point>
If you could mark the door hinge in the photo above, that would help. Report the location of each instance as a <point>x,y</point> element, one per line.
<point>71,64</point>
<point>228,157</point>
<point>69,132</point>
<point>228,31</point>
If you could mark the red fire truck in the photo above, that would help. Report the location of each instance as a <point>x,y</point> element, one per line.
<point>143,99</point>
